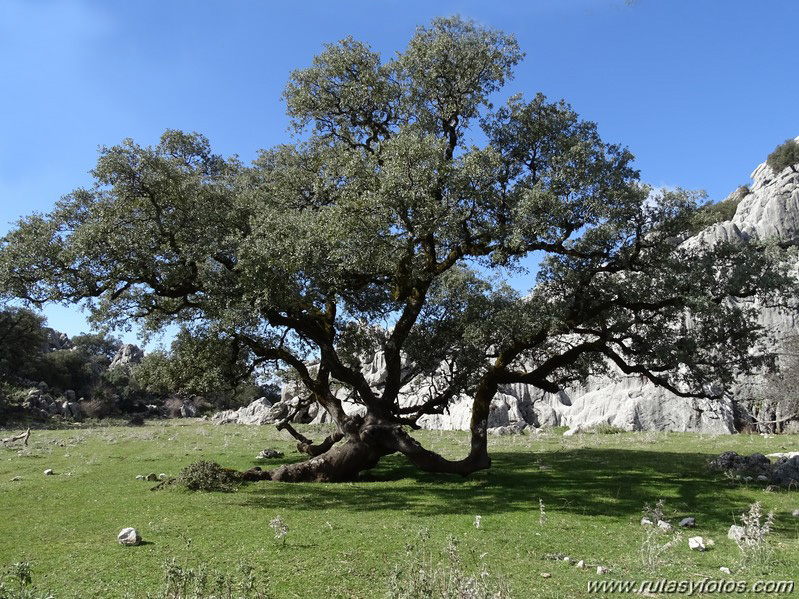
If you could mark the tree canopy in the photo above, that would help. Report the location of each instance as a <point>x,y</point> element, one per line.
<point>386,228</point>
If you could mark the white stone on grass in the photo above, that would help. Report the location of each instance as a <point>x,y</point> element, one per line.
<point>129,537</point>
<point>697,543</point>
<point>687,523</point>
<point>48,472</point>
<point>736,533</point>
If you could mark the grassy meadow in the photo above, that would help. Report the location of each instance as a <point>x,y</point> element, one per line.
<point>344,540</point>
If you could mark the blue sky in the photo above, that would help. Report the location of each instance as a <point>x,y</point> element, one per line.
<point>700,91</point>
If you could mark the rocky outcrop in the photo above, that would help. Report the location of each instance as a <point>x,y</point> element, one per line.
<point>126,356</point>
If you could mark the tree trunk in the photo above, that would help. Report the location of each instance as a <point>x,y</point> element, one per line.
<point>341,463</point>
<point>367,440</point>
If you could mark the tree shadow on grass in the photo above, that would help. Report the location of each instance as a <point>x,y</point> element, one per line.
<point>589,481</point>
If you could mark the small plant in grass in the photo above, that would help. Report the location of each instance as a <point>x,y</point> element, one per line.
<point>542,514</point>
<point>655,512</point>
<point>756,550</point>
<point>421,575</point>
<point>17,583</point>
<point>280,528</point>
<point>199,582</point>
<point>605,428</point>
<point>208,476</point>
<point>657,542</point>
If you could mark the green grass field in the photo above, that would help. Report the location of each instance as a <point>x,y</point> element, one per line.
<point>344,539</point>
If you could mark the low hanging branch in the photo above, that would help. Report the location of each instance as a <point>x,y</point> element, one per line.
<point>20,437</point>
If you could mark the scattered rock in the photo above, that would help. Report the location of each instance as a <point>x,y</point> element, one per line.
<point>602,570</point>
<point>795,513</point>
<point>129,537</point>
<point>687,522</point>
<point>581,565</point>
<point>725,570</point>
<point>546,575</point>
<point>49,472</point>
<point>567,559</point>
<point>162,476</point>
<point>646,521</point>
<point>269,453</point>
<point>696,543</point>
<point>15,478</point>
<point>151,477</point>
<point>736,533</point>
<point>663,525</point>
<point>573,431</point>
<point>139,477</point>
<point>762,478</point>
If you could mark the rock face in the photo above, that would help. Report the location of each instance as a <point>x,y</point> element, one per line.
<point>126,356</point>
<point>258,412</point>
<point>768,208</point>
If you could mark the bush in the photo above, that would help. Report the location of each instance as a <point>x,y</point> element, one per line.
<point>603,428</point>
<point>96,408</point>
<point>208,476</point>
<point>784,155</point>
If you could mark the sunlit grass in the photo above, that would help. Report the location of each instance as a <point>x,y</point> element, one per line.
<point>342,540</point>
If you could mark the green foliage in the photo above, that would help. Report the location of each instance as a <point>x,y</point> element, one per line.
<point>784,155</point>
<point>215,367</point>
<point>710,214</point>
<point>22,339</point>
<point>208,476</point>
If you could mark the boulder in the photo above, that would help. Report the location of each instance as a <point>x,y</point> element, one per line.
<point>736,533</point>
<point>126,356</point>
<point>786,472</point>
<point>129,537</point>
<point>188,410</point>
<point>696,543</point>
<point>258,412</point>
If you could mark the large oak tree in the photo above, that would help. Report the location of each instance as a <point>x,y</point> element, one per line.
<point>384,229</point>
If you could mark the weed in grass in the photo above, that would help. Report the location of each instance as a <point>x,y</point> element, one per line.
<point>199,582</point>
<point>542,514</point>
<point>756,550</point>
<point>420,575</point>
<point>280,528</point>
<point>17,583</point>
<point>657,541</point>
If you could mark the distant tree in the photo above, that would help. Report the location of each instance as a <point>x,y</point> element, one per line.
<point>218,368</point>
<point>379,232</point>
<point>99,345</point>
<point>23,337</point>
<point>784,155</point>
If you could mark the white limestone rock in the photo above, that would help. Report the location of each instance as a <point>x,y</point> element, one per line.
<point>736,533</point>
<point>696,543</point>
<point>129,537</point>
